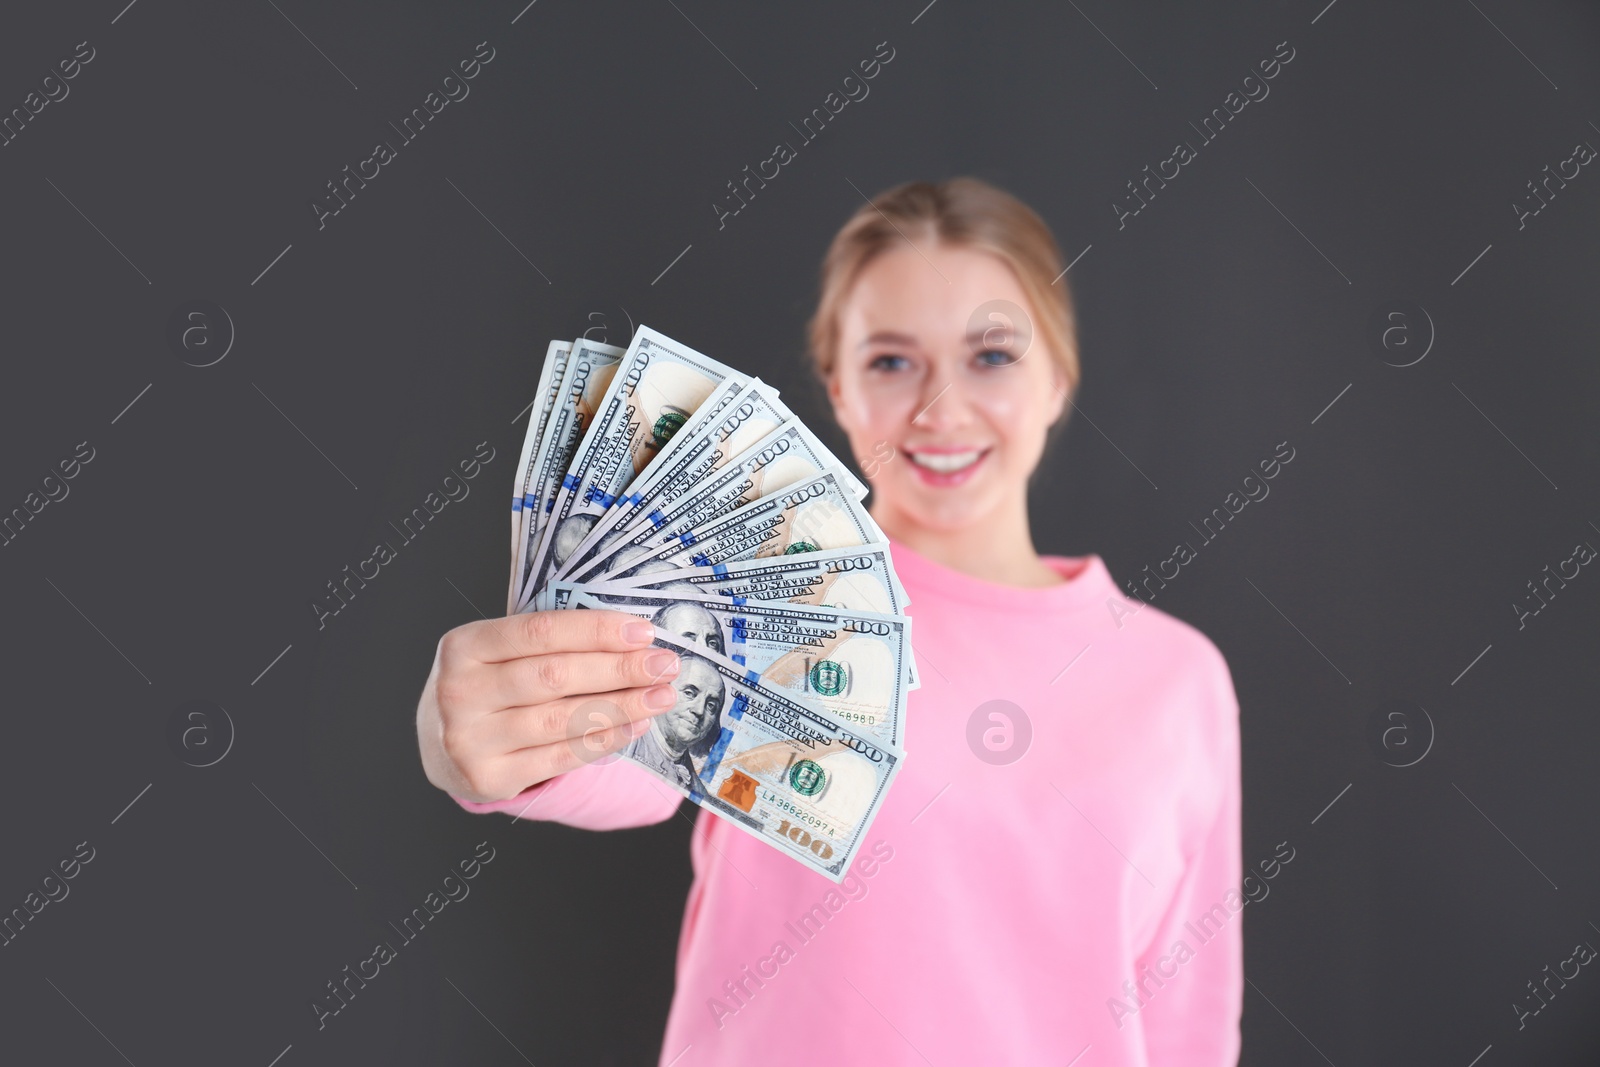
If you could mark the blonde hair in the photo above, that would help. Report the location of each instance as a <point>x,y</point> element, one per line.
<point>967,212</point>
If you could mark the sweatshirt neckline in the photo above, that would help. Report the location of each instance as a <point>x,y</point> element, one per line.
<point>1087,581</point>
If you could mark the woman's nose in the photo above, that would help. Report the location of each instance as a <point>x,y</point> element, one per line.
<point>941,406</point>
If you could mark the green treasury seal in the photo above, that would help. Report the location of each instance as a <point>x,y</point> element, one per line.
<point>807,778</point>
<point>670,422</point>
<point>829,678</point>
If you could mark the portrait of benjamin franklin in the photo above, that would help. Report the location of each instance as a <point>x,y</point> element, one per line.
<point>631,560</point>
<point>569,534</point>
<point>680,738</point>
<point>687,620</point>
<point>692,622</point>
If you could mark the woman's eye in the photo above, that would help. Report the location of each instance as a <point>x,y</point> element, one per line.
<point>996,357</point>
<point>888,362</point>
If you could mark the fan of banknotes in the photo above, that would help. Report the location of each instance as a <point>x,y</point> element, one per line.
<point>658,481</point>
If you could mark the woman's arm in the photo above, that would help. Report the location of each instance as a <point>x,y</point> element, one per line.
<point>612,795</point>
<point>1193,1020</point>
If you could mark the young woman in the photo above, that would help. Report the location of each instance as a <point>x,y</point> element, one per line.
<point>1056,872</point>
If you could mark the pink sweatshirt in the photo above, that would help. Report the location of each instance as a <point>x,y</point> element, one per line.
<point>1054,874</point>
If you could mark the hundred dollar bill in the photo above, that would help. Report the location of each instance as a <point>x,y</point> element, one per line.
<point>689,442</point>
<point>788,455</point>
<point>586,379</point>
<point>694,454</point>
<point>853,664</point>
<point>860,578</point>
<point>854,579</point>
<point>782,771</point>
<point>820,512</point>
<point>656,388</point>
<point>555,364</point>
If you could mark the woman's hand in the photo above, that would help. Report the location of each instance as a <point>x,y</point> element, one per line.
<point>511,702</point>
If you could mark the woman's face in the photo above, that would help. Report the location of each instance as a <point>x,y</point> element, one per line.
<point>943,385</point>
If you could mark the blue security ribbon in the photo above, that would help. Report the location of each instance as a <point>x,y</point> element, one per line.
<point>714,760</point>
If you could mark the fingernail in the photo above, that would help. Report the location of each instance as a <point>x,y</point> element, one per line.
<point>638,727</point>
<point>659,696</point>
<point>639,633</point>
<point>662,664</point>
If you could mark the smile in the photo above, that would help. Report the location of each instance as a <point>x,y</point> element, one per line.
<point>946,462</point>
<point>946,470</point>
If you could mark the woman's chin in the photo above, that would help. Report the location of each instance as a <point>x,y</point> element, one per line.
<point>945,511</point>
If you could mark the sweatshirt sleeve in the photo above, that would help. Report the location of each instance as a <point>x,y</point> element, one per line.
<point>613,795</point>
<point>1194,1021</point>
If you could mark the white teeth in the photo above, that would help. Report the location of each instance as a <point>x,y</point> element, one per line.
<point>945,462</point>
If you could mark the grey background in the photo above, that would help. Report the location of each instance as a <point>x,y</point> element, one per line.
<point>376,353</point>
